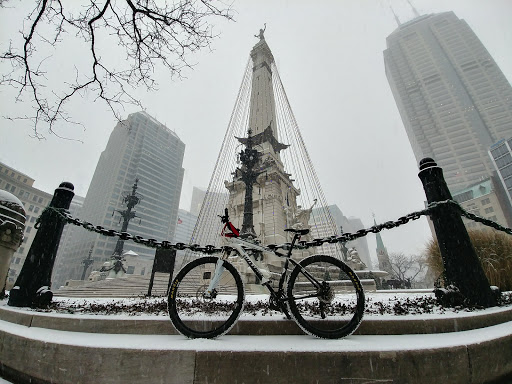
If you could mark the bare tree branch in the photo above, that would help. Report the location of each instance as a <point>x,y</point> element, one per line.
<point>151,34</point>
<point>406,267</point>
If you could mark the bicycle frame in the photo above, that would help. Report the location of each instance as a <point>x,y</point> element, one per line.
<point>237,244</point>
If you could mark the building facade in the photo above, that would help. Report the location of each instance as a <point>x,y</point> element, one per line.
<point>184,230</point>
<point>453,99</point>
<point>501,156</point>
<point>485,199</point>
<point>139,148</point>
<point>196,203</point>
<point>321,228</point>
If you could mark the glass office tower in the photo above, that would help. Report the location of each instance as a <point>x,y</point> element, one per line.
<point>138,148</point>
<point>453,99</point>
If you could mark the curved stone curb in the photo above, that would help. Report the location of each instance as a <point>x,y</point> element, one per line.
<point>46,356</point>
<point>162,326</point>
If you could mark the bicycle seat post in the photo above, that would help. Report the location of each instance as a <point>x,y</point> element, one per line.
<point>296,236</point>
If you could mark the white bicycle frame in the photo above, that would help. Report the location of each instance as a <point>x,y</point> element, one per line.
<point>238,245</point>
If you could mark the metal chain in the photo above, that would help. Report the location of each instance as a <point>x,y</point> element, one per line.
<point>343,238</point>
<point>479,219</point>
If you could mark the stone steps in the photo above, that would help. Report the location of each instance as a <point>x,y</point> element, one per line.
<point>130,286</point>
<point>49,348</point>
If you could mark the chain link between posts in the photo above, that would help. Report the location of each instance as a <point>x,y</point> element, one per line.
<point>343,238</point>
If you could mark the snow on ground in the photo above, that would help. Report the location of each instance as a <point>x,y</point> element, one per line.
<point>383,305</point>
<point>382,343</point>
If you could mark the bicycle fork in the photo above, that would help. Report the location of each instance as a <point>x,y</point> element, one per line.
<point>219,270</point>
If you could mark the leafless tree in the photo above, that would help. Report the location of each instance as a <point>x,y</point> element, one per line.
<point>148,33</point>
<point>406,267</point>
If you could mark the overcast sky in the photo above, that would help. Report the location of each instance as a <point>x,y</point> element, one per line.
<point>329,56</point>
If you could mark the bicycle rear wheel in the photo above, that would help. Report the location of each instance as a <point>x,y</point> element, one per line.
<point>331,309</point>
<point>194,312</point>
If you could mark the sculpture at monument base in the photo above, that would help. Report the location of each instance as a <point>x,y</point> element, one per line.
<point>12,225</point>
<point>354,261</point>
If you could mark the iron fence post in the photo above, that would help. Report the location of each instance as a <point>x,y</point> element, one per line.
<point>32,287</point>
<point>461,264</point>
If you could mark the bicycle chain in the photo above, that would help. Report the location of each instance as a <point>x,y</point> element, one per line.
<point>211,249</point>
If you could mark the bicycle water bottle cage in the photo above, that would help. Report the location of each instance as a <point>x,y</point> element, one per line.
<point>229,230</point>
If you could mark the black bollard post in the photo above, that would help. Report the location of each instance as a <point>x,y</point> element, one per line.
<point>461,264</point>
<point>32,287</point>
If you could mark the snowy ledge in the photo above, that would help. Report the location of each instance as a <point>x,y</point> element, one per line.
<point>417,314</point>
<point>37,345</point>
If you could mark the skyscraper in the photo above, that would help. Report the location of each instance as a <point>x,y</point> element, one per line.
<point>138,148</point>
<point>454,100</point>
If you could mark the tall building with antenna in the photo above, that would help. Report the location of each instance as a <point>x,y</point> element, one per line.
<point>453,99</point>
<point>138,148</point>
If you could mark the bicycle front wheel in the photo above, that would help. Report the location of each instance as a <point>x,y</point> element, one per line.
<point>197,313</point>
<point>325,297</point>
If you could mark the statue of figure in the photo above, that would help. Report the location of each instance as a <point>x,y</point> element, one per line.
<point>289,217</point>
<point>95,276</point>
<point>353,257</point>
<point>262,31</point>
<point>115,267</point>
<point>302,216</point>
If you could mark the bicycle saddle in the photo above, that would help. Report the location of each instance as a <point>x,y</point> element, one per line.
<point>301,231</point>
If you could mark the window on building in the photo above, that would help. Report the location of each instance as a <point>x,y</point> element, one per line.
<point>489,210</point>
<point>7,186</point>
<point>31,208</point>
<point>32,219</point>
<point>17,260</point>
<point>28,229</point>
<point>40,200</point>
<point>493,218</point>
<point>486,201</point>
<point>130,270</point>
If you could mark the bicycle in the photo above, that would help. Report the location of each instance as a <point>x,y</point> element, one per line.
<point>321,294</point>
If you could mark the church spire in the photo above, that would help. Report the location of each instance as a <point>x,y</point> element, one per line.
<point>382,253</point>
<point>380,243</point>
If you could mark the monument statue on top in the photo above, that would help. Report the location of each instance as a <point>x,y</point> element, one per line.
<point>302,216</point>
<point>262,31</point>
